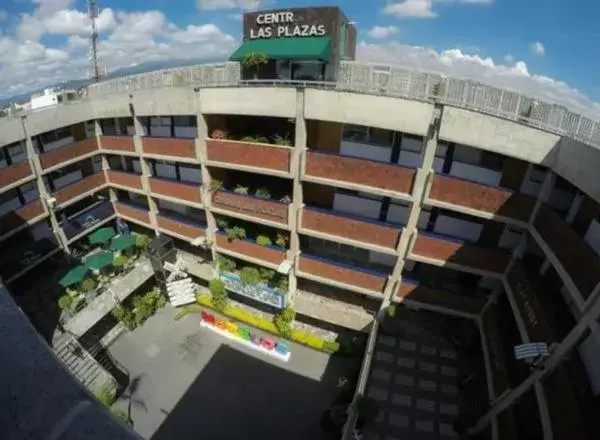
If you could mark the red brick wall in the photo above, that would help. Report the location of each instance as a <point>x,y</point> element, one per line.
<point>170,147</point>
<point>249,154</point>
<point>124,179</point>
<point>16,218</point>
<point>461,253</point>
<point>180,228</point>
<point>251,206</point>
<point>176,190</point>
<point>483,198</point>
<point>131,212</point>
<point>117,143</point>
<point>250,249</point>
<point>578,259</point>
<point>436,297</point>
<point>360,171</point>
<point>54,157</point>
<point>341,226</point>
<point>342,274</point>
<point>14,173</point>
<point>76,189</point>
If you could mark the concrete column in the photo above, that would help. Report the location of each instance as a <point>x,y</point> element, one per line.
<point>558,354</point>
<point>98,132</point>
<point>421,187</point>
<point>45,197</point>
<point>544,194</point>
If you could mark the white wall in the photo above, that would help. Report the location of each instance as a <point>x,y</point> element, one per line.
<point>357,205</point>
<point>67,179</point>
<point>97,163</point>
<point>458,228</point>
<point>44,101</point>
<point>592,236</point>
<point>190,174</point>
<point>366,151</point>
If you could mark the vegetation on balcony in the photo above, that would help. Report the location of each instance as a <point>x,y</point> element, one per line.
<point>261,235</point>
<point>254,275</point>
<point>141,308</point>
<point>107,396</point>
<point>276,139</point>
<point>260,192</point>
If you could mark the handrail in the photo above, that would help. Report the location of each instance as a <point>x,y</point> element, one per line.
<point>347,156</point>
<point>252,240</point>
<point>251,196</point>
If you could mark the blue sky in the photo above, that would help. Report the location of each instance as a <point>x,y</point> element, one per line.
<point>533,46</point>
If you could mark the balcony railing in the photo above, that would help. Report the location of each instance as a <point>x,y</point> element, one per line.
<point>252,206</point>
<point>24,256</point>
<point>176,189</point>
<point>181,225</point>
<point>85,220</point>
<point>118,143</point>
<point>133,212</point>
<point>167,146</point>
<point>68,152</point>
<point>250,154</point>
<point>499,368</point>
<point>352,227</point>
<point>76,190</point>
<point>14,173</point>
<point>125,179</point>
<point>270,254</point>
<point>21,216</point>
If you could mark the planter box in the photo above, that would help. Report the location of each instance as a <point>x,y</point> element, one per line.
<point>258,292</point>
<point>249,154</point>
<point>251,206</point>
<point>176,190</point>
<point>118,143</point>
<point>122,178</point>
<point>169,147</point>
<point>251,249</point>
<point>190,231</point>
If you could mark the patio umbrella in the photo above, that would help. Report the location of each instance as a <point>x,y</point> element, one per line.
<point>74,276</point>
<point>99,260</point>
<point>122,242</point>
<point>102,235</point>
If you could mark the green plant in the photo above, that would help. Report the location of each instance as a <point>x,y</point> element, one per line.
<point>88,285</point>
<point>263,193</point>
<point>124,316</point>
<point>281,240</point>
<point>142,241</point>
<point>65,302</point>
<point>219,294</point>
<point>254,60</point>
<point>226,264</point>
<point>255,139</point>
<point>120,261</point>
<point>222,223</point>
<point>121,415</point>
<point>331,346</point>
<point>391,310</point>
<point>250,275</point>
<point>146,305</point>
<point>219,134</point>
<point>107,395</point>
<point>283,321</point>
<point>266,275</point>
<point>286,199</point>
<point>263,240</point>
<point>283,141</point>
<point>215,185</point>
<point>282,283</point>
<point>239,189</point>
<point>186,310</point>
<point>236,233</point>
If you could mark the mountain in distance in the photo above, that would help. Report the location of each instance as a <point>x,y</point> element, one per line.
<point>125,71</point>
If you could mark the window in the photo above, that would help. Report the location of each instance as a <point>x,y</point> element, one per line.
<point>15,150</point>
<point>491,160</point>
<point>27,187</point>
<point>56,135</point>
<point>413,143</point>
<point>356,133</point>
<point>380,136</point>
<point>368,135</point>
<point>161,121</point>
<point>307,71</point>
<point>537,174</point>
<point>343,35</point>
<point>474,156</point>
<point>184,121</point>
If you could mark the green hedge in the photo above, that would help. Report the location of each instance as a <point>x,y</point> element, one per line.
<point>305,338</point>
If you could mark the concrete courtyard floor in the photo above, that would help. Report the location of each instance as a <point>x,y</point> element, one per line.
<point>414,377</point>
<point>193,383</point>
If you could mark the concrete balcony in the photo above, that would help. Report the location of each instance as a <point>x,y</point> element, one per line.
<point>175,190</point>
<point>247,207</point>
<point>341,275</point>
<point>15,175</point>
<point>125,180</point>
<point>441,250</point>
<point>86,220</point>
<point>180,227</point>
<point>169,148</point>
<point>24,255</point>
<point>579,261</point>
<point>80,189</point>
<point>271,256</point>
<point>411,292</point>
<point>26,215</point>
<point>133,213</point>
<point>249,156</point>
<point>355,230</point>
<point>68,154</point>
<point>495,353</point>
<point>117,144</point>
<point>491,202</point>
<point>359,174</point>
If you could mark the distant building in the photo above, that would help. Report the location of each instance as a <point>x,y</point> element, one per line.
<point>50,97</point>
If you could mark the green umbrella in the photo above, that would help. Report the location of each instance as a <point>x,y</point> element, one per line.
<point>74,276</point>
<point>99,260</point>
<point>102,235</point>
<point>122,242</point>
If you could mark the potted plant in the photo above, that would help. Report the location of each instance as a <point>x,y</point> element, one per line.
<point>253,63</point>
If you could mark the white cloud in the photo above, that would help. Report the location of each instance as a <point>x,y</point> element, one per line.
<point>236,17</point>
<point>411,8</point>
<point>538,48</point>
<point>383,31</point>
<point>514,76</point>
<point>212,5</point>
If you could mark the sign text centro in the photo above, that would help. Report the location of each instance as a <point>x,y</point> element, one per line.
<point>282,24</point>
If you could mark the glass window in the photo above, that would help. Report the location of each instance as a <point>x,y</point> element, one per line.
<point>412,143</point>
<point>355,133</point>
<point>380,136</point>
<point>343,33</point>
<point>465,154</point>
<point>491,160</point>
<point>307,71</point>
<point>184,121</point>
<point>283,69</point>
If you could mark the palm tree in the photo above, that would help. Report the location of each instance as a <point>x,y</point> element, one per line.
<point>130,394</point>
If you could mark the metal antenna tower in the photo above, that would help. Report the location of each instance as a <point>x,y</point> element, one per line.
<point>95,72</point>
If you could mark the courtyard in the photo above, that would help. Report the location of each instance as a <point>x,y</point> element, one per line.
<point>187,382</point>
<point>422,381</point>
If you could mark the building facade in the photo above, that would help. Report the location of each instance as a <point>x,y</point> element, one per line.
<point>430,192</point>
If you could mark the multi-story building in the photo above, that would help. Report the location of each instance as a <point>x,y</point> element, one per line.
<point>392,186</point>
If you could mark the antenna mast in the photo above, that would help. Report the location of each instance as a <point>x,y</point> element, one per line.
<point>95,72</point>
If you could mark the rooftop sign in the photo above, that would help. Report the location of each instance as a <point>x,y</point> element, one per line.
<point>286,23</point>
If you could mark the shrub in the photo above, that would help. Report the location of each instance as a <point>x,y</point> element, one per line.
<point>391,310</point>
<point>255,139</point>
<point>142,241</point>
<point>266,275</point>
<point>145,306</point>
<point>215,185</point>
<point>186,310</point>
<point>107,395</point>
<point>121,415</point>
<point>281,240</point>
<point>282,283</point>
<point>88,285</point>
<point>263,193</point>
<point>125,317</point>
<point>219,134</point>
<point>283,141</point>
<point>226,264</point>
<point>254,59</point>
<point>283,321</point>
<point>236,233</point>
<point>239,189</point>
<point>65,302</point>
<point>222,223</point>
<point>263,240</point>
<point>250,275</point>
<point>219,294</point>
<point>120,261</point>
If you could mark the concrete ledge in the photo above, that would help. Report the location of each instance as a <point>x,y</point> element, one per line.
<point>253,101</point>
